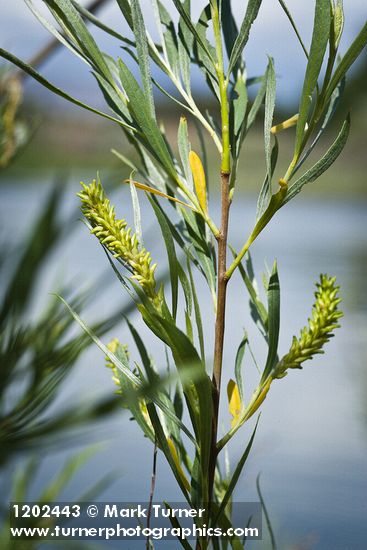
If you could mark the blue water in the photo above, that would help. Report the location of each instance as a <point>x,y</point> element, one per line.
<point>312,438</point>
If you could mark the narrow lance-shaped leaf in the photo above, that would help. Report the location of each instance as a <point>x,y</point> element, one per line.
<point>184,150</point>
<point>323,164</point>
<point>273,321</point>
<point>269,113</point>
<point>37,76</point>
<point>171,253</point>
<point>347,61</point>
<point>126,371</point>
<point>320,38</point>
<point>291,20</point>
<point>71,19</point>
<point>252,10</point>
<point>236,475</point>
<point>265,192</point>
<point>238,365</point>
<point>235,405</point>
<point>152,134</point>
<point>198,173</point>
<point>143,54</point>
<point>182,10</point>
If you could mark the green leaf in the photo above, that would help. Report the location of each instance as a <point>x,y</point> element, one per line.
<point>125,8</point>
<point>238,365</point>
<point>185,45</point>
<point>333,105</point>
<point>163,444</point>
<point>269,113</point>
<point>176,525</point>
<point>143,55</point>
<point>199,324</point>
<point>265,192</point>
<point>182,9</point>
<point>171,253</point>
<point>184,148</point>
<point>291,20</point>
<point>273,321</point>
<point>266,514</point>
<point>252,11</point>
<point>230,30</point>
<point>320,38</point>
<point>141,112</point>
<point>258,101</point>
<point>258,310</point>
<point>34,74</point>
<point>51,29</point>
<point>98,23</point>
<point>126,371</point>
<point>236,475</point>
<point>323,164</point>
<point>347,61</point>
<point>64,11</point>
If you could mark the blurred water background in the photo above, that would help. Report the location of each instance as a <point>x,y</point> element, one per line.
<point>311,445</point>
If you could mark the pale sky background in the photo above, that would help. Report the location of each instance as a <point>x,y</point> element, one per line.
<point>21,33</point>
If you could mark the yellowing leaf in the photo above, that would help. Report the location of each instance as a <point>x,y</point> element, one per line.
<point>198,173</point>
<point>153,191</point>
<point>235,406</point>
<point>177,462</point>
<point>285,125</point>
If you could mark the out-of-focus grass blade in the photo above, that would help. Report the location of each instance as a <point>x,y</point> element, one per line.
<point>323,164</point>
<point>53,490</point>
<point>266,514</point>
<point>320,39</point>
<point>252,10</point>
<point>126,371</point>
<point>273,321</point>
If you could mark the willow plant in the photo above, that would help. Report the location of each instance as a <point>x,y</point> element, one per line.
<point>176,186</point>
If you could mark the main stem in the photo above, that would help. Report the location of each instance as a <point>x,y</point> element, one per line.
<point>222,246</point>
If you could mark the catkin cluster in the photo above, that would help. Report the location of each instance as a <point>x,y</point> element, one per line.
<point>324,320</point>
<point>116,236</point>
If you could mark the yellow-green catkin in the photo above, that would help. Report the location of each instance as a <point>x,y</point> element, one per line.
<point>324,321</point>
<point>114,234</point>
